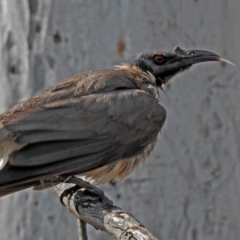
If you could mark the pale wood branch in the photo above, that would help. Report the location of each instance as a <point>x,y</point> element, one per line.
<point>100,212</point>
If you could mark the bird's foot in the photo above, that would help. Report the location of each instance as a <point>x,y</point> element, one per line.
<point>79,184</point>
<point>68,192</point>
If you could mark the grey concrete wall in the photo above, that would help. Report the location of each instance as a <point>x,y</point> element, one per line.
<point>190,188</point>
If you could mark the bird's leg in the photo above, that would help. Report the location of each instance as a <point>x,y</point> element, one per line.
<point>70,191</point>
<point>79,184</point>
<point>82,184</point>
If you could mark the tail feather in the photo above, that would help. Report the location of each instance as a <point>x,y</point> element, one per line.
<point>8,189</point>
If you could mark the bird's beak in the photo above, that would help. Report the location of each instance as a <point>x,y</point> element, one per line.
<point>190,57</point>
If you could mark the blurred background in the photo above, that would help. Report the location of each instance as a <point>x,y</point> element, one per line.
<point>190,188</point>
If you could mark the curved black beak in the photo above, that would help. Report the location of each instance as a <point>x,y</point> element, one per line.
<point>191,57</point>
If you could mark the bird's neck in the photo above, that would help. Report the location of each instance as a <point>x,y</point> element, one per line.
<point>144,79</point>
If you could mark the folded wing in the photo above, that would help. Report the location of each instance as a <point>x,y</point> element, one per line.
<point>79,133</point>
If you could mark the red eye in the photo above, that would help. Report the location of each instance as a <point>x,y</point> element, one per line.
<point>159,59</point>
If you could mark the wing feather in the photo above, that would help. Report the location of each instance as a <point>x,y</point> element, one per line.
<point>77,129</point>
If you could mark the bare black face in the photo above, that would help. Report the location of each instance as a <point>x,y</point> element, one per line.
<point>166,65</point>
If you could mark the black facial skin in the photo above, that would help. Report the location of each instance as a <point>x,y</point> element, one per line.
<point>166,65</point>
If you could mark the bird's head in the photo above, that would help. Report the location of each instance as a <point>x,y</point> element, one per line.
<point>166,65</point>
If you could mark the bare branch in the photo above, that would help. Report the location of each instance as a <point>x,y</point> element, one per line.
<point>100,212</point>
<point>82,229</point>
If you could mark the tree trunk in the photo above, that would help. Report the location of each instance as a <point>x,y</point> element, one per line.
<point>190,187</point>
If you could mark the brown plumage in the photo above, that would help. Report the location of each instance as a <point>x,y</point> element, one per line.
<point>99,125</point>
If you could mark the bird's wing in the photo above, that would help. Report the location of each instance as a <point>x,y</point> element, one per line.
<point>75,134</point>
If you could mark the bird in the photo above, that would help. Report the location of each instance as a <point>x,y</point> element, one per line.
<point>98,125</point>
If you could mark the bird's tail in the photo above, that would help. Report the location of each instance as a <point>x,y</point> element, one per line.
<point>8,189</point>
<point>13,180</point>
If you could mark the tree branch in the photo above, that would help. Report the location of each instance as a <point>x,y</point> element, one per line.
<point>100,212</point>
<point>82,229</point>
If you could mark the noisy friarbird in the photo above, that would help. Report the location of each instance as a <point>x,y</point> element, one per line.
<point>99,124</point>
